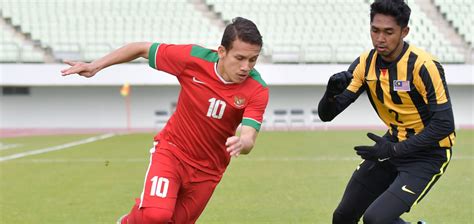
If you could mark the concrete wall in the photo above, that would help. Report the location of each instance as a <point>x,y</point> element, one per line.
<point>73,104</point>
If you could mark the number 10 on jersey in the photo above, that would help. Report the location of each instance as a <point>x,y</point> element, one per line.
<point>159,186</point>
<point>216,108</point>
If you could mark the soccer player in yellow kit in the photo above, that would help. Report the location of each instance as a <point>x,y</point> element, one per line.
<point>407,88</point>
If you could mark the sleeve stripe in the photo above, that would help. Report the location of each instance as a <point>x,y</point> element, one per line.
<point>442,77</point>
<point>353,66</point>
<point>247,118</point>
<point>152,55</point>
<point>429,87</point>
<point>252,123</point>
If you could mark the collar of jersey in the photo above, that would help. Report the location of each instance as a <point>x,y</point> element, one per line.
<point>379,63</point>
<point>220,76</point>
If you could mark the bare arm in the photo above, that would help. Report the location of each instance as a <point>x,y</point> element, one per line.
<point>242,144</point>
<point>126,53</point>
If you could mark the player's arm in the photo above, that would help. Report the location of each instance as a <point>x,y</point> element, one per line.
<point>440,126</point>
<point>251,123</point>
<point>337,96</point>
<point>124,54</point>
<point>331,106</point>
<point>242,144</point>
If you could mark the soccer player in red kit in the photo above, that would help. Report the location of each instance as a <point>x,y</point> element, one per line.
<point>219,91</point>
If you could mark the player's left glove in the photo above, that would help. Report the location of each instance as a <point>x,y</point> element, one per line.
<point>381,151</point>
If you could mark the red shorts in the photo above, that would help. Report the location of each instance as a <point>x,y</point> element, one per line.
<point>176,186</point>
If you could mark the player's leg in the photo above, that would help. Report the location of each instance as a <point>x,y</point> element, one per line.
<point>162,183</point>
<point>386,209</point>
<point>414,181</point>
<point>147,215</point>
<point>368,181</point>
<point>354,201</point>
<point>194,196</point>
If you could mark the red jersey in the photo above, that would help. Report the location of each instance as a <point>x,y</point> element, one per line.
<point>209,109</point>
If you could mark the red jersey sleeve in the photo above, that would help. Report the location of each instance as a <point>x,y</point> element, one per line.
<point>169,58</point>
<point>253,114</point>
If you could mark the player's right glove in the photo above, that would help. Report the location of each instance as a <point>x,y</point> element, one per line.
<point>381,151</point>
<point>338,83</point>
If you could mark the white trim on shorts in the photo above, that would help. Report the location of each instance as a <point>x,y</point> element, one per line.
<point>152,150</point>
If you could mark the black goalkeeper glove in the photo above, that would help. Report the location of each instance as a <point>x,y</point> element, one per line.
<point>338,83</point>
<point>381,151</point>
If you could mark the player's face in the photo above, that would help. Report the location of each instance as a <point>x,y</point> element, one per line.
<point>235,64</point>
<point>387,36</point>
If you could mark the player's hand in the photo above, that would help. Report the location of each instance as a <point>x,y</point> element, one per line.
<point>338,83</point>
<point>83,69</point>
<point>234,145</point>
<point>381,151</point>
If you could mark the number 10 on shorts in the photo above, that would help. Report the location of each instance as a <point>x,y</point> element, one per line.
<point>159,186</point>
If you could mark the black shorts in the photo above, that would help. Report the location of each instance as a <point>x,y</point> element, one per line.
<point>408,178</point>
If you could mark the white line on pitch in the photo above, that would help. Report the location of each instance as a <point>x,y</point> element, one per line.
<point>56,148</point>
<point>10,146</point>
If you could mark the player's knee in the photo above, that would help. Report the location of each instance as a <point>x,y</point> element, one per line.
<point>150,216</point>
<point>340,217</point>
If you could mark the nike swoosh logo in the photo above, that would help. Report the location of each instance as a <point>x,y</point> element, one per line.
<point>197,81</point>
<point>381,160</point>
<point>404,188</point>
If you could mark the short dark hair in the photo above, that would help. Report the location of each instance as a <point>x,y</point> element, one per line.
<point>243,29</point>
<point>396,8</point>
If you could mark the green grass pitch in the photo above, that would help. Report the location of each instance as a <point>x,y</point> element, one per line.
<point>290,177</point>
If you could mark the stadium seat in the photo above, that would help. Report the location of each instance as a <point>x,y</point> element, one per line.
<point>316,122</point>
<point>319,23</point>
<point>280,119</point>
<point>294,31</point>
<point>459,14</point>
<point>10,52</point>
<point>297,118</point>
<point>92,25</point>
<point>13,48</point>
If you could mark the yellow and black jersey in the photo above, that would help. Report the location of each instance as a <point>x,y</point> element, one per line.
<point>404,93</point>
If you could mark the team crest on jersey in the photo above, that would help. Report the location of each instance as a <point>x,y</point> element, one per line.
<point>400,85</point>
<point>239,100</point>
